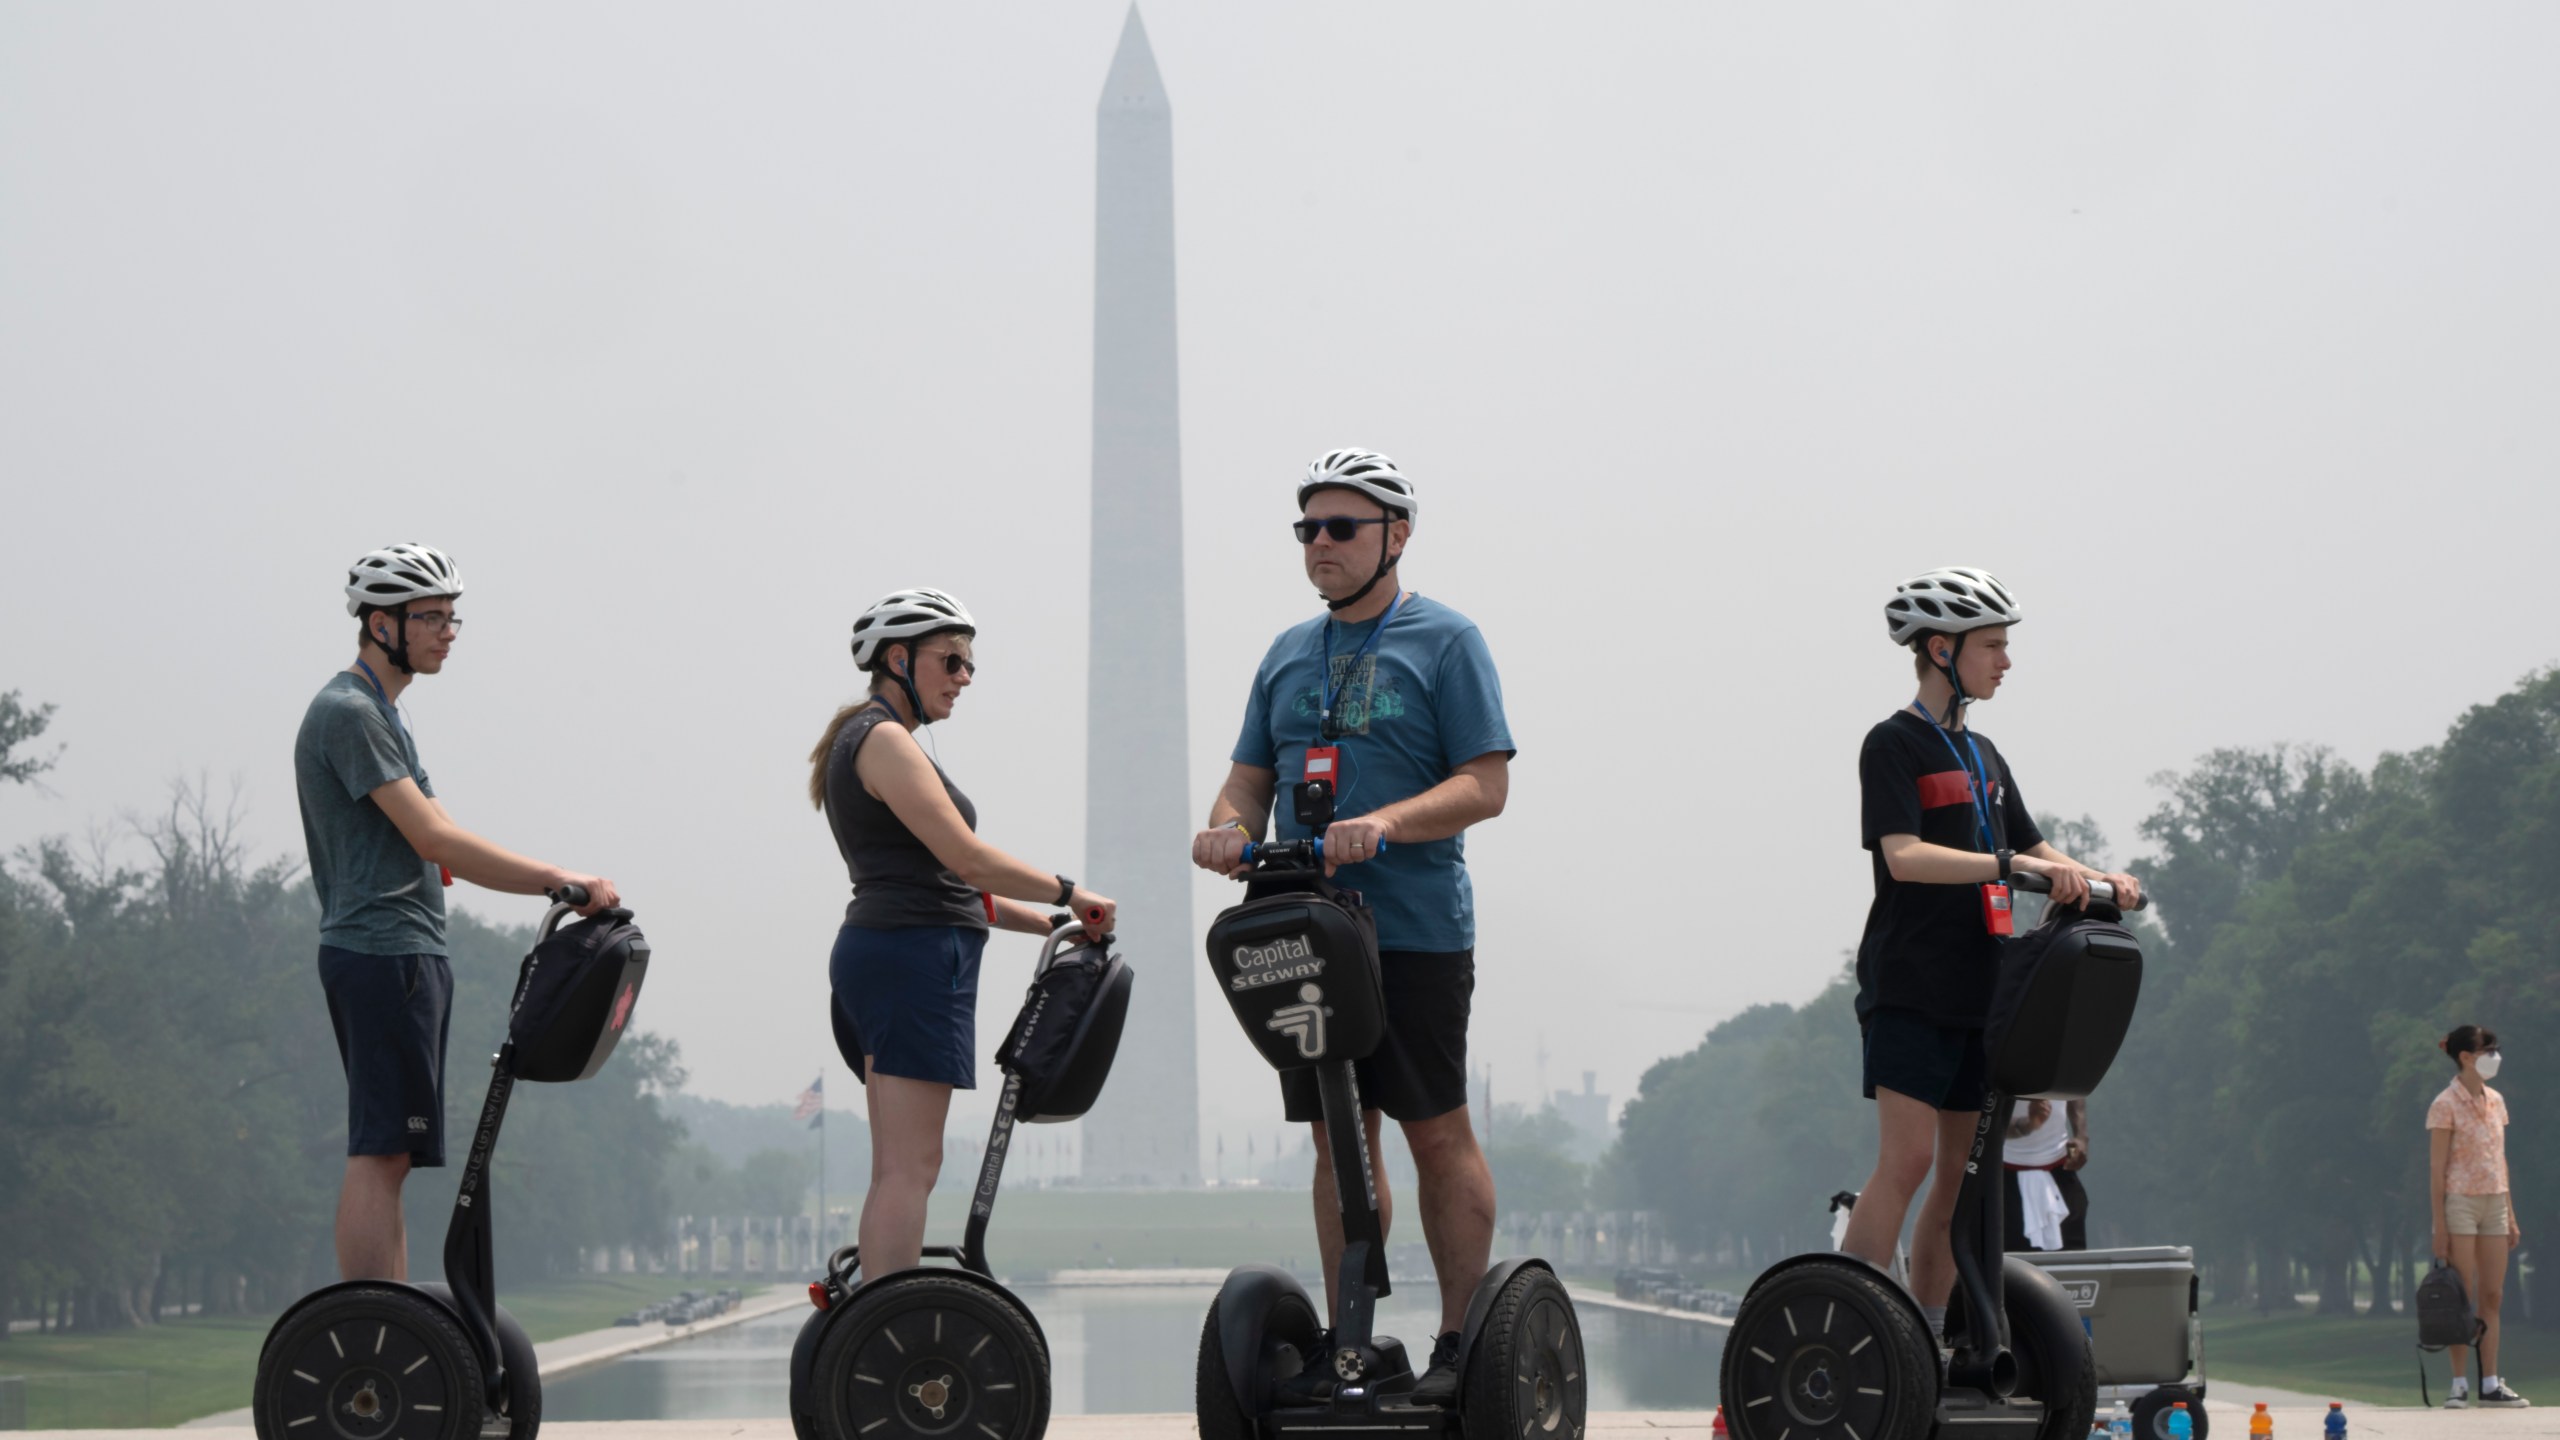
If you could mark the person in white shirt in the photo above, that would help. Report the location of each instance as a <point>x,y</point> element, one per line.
<point>2048,1206</point>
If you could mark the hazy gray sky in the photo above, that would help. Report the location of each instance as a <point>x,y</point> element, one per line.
<point>2226,334</point>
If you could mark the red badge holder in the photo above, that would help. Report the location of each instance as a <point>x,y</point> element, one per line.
<point>1996,915</point>
<point>1324,762</point>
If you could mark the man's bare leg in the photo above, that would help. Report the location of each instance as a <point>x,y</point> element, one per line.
<point>1456,1193</point>
<point>373,1239</point>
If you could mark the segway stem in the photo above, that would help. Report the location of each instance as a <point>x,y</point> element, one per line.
<point>469,1254</point>
<point>1978,1236</point>
<point>982,1205</point>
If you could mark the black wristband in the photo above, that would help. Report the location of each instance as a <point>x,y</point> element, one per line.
<point>2004,856</point>
<point>1066,891</point>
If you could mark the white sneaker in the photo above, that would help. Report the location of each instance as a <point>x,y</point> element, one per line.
<point>2458,1400</point>
<point>2500,1397</point>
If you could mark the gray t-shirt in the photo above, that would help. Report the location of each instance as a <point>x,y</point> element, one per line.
<point>377,897</point>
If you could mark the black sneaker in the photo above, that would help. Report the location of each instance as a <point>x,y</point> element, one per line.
<point>2498,1396</point>
<point>1439,1382</point>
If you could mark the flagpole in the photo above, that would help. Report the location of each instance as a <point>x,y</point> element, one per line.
<point>822,1169</point>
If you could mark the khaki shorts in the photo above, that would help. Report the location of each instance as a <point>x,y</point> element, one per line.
<point>2475,1214</point>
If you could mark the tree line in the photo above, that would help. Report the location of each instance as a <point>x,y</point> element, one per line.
<point>2316,930</point>
<point>172,1110</point>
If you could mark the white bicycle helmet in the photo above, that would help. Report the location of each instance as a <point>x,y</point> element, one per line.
<point>1366,471</point>
<point>904,615</point>
<point>398,573</point>
<point>1950,600</point>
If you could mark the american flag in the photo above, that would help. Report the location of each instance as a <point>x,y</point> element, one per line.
<point>812,1102</point>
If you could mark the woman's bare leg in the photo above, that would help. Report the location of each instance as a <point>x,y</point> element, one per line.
<point>906,1158</point>
<point>1906,1142</point>
<point>2488,1293</point>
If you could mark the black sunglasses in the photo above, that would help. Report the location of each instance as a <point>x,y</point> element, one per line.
<point>1337,528</point>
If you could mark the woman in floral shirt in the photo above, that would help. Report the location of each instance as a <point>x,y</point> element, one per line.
<point>2475,1225</point>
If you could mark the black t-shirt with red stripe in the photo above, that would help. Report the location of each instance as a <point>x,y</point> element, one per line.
<point>1925,948</point>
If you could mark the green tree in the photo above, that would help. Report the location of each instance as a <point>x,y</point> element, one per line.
<point>22,725</point>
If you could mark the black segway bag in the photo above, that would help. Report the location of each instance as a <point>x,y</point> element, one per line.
<point>2063,1003</point>
<point>1062,1043</point>
<point>574,996</point>
<point>1298,963</point>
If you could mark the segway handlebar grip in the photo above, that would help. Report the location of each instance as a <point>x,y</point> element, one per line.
<point>1292,852</point>
<point>2043,885</point>
<point>570,893</point>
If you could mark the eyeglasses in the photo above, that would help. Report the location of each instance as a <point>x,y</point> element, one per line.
<point>1337,528</point>
<point>436,620</point>
<point>955,663</point>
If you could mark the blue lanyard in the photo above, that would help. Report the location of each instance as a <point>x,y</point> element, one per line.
<point>1977,781</point>
<point>381,696</point>
<point>1324,664</point>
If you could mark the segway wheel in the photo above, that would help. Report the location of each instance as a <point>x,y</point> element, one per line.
<point>927,1354</point>
<point>1828,1349</point>
<point>1525,1375</point>
<point>368,1364</point>
<point>2054,1364</point>
<point>524,1378</point>
<point>1290,1334</point>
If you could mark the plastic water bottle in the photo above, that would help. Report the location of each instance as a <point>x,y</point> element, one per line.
<point>2262,1426</point>
<point>2120,1423</point>
<point>2335,1427</point>
<point>2182,1426</point>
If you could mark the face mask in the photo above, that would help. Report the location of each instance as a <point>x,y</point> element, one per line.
<point>2488,1066</point>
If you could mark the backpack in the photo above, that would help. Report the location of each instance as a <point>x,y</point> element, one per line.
<point>2445,1318</point>
<point>2062,1004</point>
<point>1062,1042</point>
<point>574,996</point>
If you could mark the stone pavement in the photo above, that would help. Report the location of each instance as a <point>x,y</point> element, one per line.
<point>2292,1423</point>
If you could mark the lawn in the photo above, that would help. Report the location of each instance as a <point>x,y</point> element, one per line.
<point>1041,1230</point>
<point>2359,1358</point>
<point>172,1372</point>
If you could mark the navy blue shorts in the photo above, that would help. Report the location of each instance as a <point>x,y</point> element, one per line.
<point>1419,1070</point>
<point>391,1013</point>
<point>1941,1066</point>
<point>908,998</point>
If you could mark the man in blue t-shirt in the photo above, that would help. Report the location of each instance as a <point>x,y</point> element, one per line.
<point>382,850</point>
<point>1402,689</point>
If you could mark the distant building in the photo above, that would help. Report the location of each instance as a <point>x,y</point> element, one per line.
<point>1588,1113</point>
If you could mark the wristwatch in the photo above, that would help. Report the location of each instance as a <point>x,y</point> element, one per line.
<point>2004,857</point>
<point>1066,892</point>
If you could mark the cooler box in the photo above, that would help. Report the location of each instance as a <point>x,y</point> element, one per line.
<point>2140,1306</point>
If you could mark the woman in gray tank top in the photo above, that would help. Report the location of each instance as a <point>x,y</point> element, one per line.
<point>926,890</point>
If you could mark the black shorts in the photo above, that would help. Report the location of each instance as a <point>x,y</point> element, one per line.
<point>1419,1071</point>
<point>391,1013</point>
<point>1941,1066</point>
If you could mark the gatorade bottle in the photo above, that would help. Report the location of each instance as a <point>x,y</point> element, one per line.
<point>2182,1426</point>
<point>2262,1426</point>
<point>2120,1423</point>
<point>2335,1427</point>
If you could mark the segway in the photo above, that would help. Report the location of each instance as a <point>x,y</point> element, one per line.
<point>1829,1347</point>
<point>377,1359</point>
<point>1298,963</point>
<point>945,1350</point>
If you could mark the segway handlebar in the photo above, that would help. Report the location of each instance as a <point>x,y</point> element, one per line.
<point>570,893</point>
<point>2043,885</point>
<point>1290,854</point>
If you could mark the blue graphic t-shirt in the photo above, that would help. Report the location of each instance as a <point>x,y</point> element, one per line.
<point>1423,701</point>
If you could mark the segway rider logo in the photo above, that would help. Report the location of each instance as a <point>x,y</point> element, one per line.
<point>1303,1022</point>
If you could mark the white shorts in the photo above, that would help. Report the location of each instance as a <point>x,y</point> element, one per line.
<point>2476,1214</point>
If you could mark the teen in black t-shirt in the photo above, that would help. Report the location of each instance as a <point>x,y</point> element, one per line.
<point>1942,817</point>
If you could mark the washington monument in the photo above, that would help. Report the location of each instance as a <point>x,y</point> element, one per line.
<point>1138,820</point>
